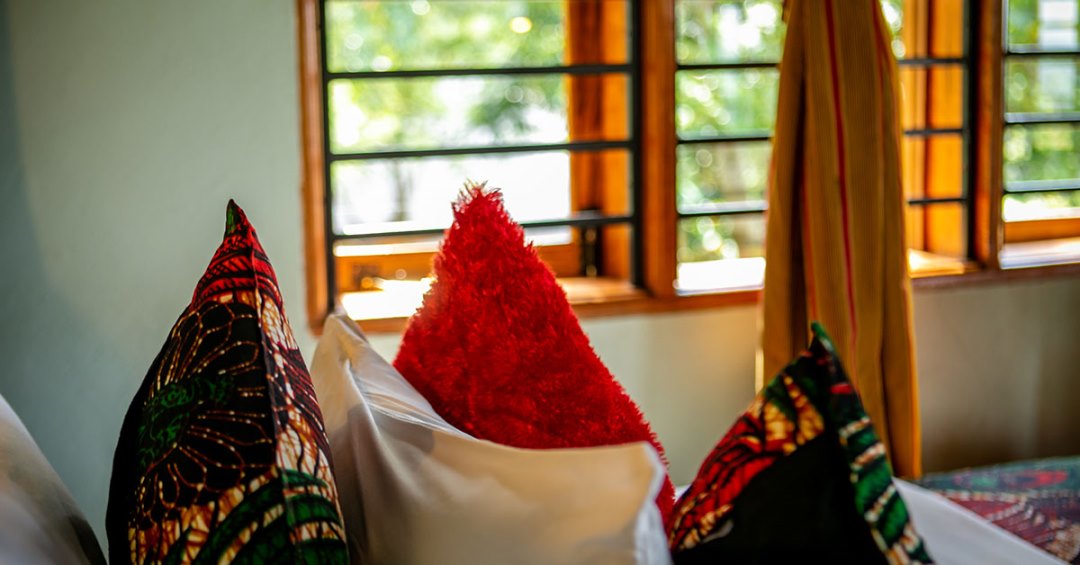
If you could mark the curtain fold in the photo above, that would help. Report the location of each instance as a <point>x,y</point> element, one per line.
<point>836,248</point>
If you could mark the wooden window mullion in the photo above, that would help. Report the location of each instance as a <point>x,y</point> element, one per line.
<point>988,134</point>
<point>658,146</point>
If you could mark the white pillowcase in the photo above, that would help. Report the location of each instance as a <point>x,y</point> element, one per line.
<point>415,490</point>
<point>955,535</point>
<point>39,521</point>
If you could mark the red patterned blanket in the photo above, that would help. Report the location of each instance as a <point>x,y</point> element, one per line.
<point>1038,501</point>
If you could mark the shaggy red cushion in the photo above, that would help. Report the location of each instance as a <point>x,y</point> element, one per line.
<point>498,351</point>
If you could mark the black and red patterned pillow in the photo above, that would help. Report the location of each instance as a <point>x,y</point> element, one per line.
<point>801,477</point>
<point>223,455</point>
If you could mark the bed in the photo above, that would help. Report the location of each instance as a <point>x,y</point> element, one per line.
<point>1037,501</point>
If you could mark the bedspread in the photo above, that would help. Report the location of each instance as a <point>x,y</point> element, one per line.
<point>1039,501</point>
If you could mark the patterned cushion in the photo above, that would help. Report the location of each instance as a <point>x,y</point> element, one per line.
<point>801,476</point>
<point>498,351</point>
<point>222,455</point>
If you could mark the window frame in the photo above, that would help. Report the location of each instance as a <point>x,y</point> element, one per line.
<point>656,216</point>
<point>1042,229</point>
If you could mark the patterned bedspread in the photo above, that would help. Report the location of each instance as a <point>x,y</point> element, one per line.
<point>1038,501</point>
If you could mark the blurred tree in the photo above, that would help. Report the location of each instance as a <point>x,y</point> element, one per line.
<point>724,102</point>
<point>379,114</point>
<point>1041,85</point>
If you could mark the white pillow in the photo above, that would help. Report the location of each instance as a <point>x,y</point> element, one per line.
<point>39,521</point>
<point>415,490</point>
<point>955,535</point>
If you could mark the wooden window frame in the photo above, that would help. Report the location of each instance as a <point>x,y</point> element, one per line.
<point>1035,230</point>
<point>655,183</point>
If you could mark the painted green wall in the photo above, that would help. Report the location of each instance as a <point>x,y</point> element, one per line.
<point>125,126</point>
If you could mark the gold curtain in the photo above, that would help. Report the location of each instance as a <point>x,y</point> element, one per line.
<point>836,248</point>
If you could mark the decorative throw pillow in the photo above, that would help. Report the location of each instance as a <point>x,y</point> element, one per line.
<point>222,455</point>
<point>39,521</point>
<point>416,490</point>
<point>498,352</point>
<point>800,477</point>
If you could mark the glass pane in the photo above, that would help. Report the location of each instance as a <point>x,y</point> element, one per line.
<point>933,166</point>
<point>912,100</point>
<point>406,194</point>
<point>893,10</point>
<point>724,252</point>
<point>391,35</point>
<point>944,166</point>
<point>913,166</point>
<point>429,243</point>
<point>1045,24</point>
<point>709,103</point>
<point>915,225</point>
<point>937,228</point>
<point>940,24</point>
<point>721,172</point>
<point>725,31</point>
<point>1041,206</point>
<point>931,98</point>
<point>1042,85</point>
<point>414,113</point>
<point>724,237</point>
<point>945,106</point>
<point>1043,152</point>
<point>715,31</point>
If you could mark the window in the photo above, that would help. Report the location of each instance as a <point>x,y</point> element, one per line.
<point>632,139</point>
<point>532,96</point>
<point>1041,138</point>
<point>726,83</point>
<point>726,89</point>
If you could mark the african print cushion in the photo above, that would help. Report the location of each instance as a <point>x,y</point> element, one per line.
<point>800,477</point>
<point>498,351</point>
<point>222,455</point>
<point>39,520</point>
<point>417,490</point>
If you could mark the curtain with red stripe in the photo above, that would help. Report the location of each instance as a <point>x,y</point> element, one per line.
<point>835,249</point>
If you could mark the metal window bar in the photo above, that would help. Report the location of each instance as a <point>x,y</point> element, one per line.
<point>760,206</point>
<point>577,146</point>
<point>918,62</point>
<point>637,113</point>
<point>1041,118</point>
<point>723,209</point>
<point>583,220</point>
<point>328,192</point>
<point>756,136</point>
<point>1042,186</point>
<point>1020,51</point>
<point>972,23</point>
<point>577,220</point>
<point>583,69</point>
<point>1021,119</point>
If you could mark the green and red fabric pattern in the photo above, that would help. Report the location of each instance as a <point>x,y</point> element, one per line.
<point>223,456</point>
<point>810,416</point>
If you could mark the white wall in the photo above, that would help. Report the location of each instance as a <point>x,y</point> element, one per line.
<point>125,125</point>
<point>999,372</point>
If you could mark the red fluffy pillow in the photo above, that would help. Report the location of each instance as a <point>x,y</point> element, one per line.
<point>498,352</point>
